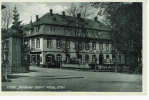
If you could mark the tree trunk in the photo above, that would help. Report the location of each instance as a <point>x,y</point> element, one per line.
<point>116,65</point>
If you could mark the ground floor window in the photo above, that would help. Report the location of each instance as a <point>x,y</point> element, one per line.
<point>33,58</point>
<point>80,58</point>
<point>67,58</point>
<point>58,57</point>
<point>40,59</point>
<point>119,58</point>
<point>86,58</point>
<point>113,58</point>
<point>107,58</point>
<point>93,58</point>
<point>49,58</point>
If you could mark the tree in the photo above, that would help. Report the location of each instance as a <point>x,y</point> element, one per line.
<point>17,23</point>
<point>19,28</point>
<point>77,22</point>
<point>5,23</point>
<point>125,21</point>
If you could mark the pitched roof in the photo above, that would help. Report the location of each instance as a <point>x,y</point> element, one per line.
<point>57,19</point>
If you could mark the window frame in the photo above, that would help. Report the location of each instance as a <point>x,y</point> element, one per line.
<point>101,45</point>
<point>33,42</point>
<point>86,58</point>
<point>38,43</point>
<point>58,43</point>
<point>58,57</point>
<point>94,45</point>
<point>49,43</point>
<point>86,45</point>
<point>107,58</point>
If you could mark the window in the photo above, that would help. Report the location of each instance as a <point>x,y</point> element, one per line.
<point>107,58</point>
<point>37,28</point>
<point>113,58</point>
<point>94,45</point>
<point>67,58</point>
<point>86,45</point>
<point>80,58</point>
<point>29,32</point>
<point>52,29</point>
<point>119,58</point>
<point>33,43</point>
<point>107,46</point>
<point>40,59</point>
<point>101,46</point>
<point>58,43</point>
<point>49,58</point>
<point>66,30</point>
<point>93,58</point>
<point>113,47</point>
<point>38,43</point>
<point>86,58</point>
<point>28,43</point>
<point>49,43</point>
<point>58,57</point>
<point>33,58</point>
<point>68,44</point>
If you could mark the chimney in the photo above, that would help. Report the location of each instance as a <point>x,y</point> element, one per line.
<point>63,13</point>
<point>37,18</point>
<point>51,12</point>
<point>78,15</point>
<point>95,18</point>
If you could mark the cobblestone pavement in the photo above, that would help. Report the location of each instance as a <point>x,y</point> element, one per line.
<point>50,79</point>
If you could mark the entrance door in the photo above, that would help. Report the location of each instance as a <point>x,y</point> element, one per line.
<point>38,60</point>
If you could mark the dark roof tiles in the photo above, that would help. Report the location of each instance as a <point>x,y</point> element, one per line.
<point>57,19</point>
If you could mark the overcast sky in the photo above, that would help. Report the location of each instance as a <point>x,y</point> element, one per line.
<point>28,9</point>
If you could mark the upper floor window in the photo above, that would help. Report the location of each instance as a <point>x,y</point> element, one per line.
<point>49,43</point>
<point>107,46</point>
<point>86,45</point>
<point>28,43</point>
<point>33,43</point>
<point>38,43</point>
<point>58,43</point>
<point>94,45</point>
<point>37,28</point>
<point>113,47</point>
<point>101,46</point>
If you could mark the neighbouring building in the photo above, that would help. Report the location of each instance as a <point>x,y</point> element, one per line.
<point>45,35</point>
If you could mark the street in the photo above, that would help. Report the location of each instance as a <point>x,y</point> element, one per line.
<point>50,79</point>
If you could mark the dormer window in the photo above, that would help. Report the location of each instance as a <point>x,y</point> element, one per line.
<point>54,18</point>
<point>52,29</point>
<point>86,23</point>
<point>37,28</point>
<point>29,32</point>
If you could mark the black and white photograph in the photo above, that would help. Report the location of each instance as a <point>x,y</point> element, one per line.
<point>72,47</point>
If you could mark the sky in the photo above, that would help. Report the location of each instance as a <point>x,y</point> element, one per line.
<point>28,9</point>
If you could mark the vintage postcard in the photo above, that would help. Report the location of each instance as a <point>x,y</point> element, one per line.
<point>73,48</point>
